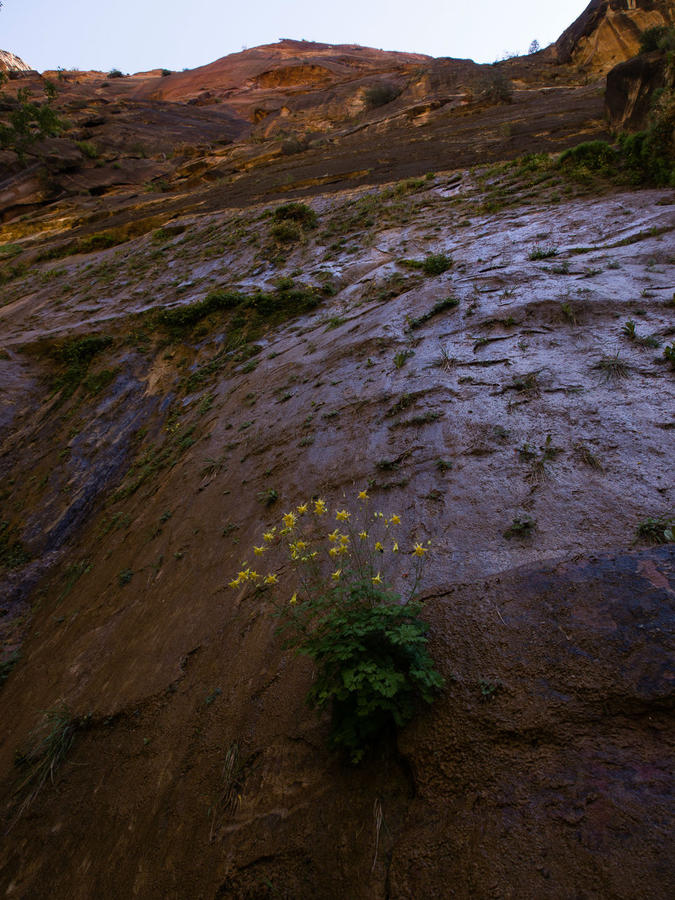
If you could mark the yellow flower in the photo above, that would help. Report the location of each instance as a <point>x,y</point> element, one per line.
<point>363,535</point>
<point>336,574</point>
<point>395,547</point>
<point>302,509</point>
<point>294,599</point>
<point>259,550</point>
<point>344,539</point>
<point>243,575</point>
<point>253,575</point>
<point>342,549</point>
<point>333,536</point>
<point>289,520</point>
<point>342,515</point>
<point>377,579</point>
<point>271,579</point>
<point>363,495</point>
<point>319,507</point>
<point>419,550</point>
<point>333,551</point>
<point>268,536</point>
<point>301,544</point>
<point>235,583</point>
<point>378,546</point>
<point>395,520</point>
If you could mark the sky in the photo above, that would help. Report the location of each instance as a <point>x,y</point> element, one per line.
<point>137,35</point>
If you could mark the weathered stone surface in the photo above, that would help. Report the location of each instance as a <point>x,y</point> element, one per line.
<point>608,31</point>
<point>630,89</point>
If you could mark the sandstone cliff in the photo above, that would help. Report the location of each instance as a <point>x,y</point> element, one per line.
<point>608,32</point>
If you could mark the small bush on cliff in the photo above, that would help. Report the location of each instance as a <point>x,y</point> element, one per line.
<point>380,94</point>
<point>373,668</point>
<point>659,37</point>
<point>25,121</point>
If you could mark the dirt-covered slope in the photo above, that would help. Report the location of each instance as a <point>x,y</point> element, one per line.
<point>506,408</point>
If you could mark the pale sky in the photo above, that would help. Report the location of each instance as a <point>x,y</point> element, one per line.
<point>136,35</point>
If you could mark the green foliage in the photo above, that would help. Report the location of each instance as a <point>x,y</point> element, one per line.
<point>75,356</point>
<point>436,264</point>
<point>115,73</point>
<point>644,158</point>
<point>300,213</point>
<point>433,264</point>
<point>539,251</point>
<point>495,87</point>
<point>596,156</point>
<point>669,354</point>
<point>373,666</point>
<point>87,149</point>
<point>439,307</point>
<point>657,530</point>
<point>28,121</point>
<point>380,94</point>
<point>659,37</point>
<point>288,299</point>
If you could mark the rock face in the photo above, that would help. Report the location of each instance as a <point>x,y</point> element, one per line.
<point>11,63</point>
<point>608,32</point>
<point>630,88</point>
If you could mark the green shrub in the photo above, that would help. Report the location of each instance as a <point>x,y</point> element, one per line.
<point>659,37</point>
<point>380,94</point>
<point>436,264</point>
<point>596,156</point>
<point>87,149</point>
<point>286,232</point>
<point>299,213</point>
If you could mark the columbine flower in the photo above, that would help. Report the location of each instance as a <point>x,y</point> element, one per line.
<point>301,544</point>
<point>342,515</point>
<point>235,583</point>
<point>363,495</point>
<point>344,539</point>
<point>377,579</point>
<point>294,599</point>
<point>336,574</point>
<point>363,535</point>
<point>319,507</point>
<point>271,579</point>
<point>243,575</point>
<point>333,551</point>
<point>395,520</point>
<point>253,575</point>
<point>302,509</point>
<point>333,536</point>
<point>378,546</point>
<point>395,547</point>
<point>259,550</point>
<point>289,520</point>
<point>343,549</point>
<point>268,536</point>
<point>419,550</point>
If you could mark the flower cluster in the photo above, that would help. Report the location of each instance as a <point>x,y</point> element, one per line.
<point>359,546</point>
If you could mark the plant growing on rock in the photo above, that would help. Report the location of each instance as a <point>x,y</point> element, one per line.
<point>367,639</point>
